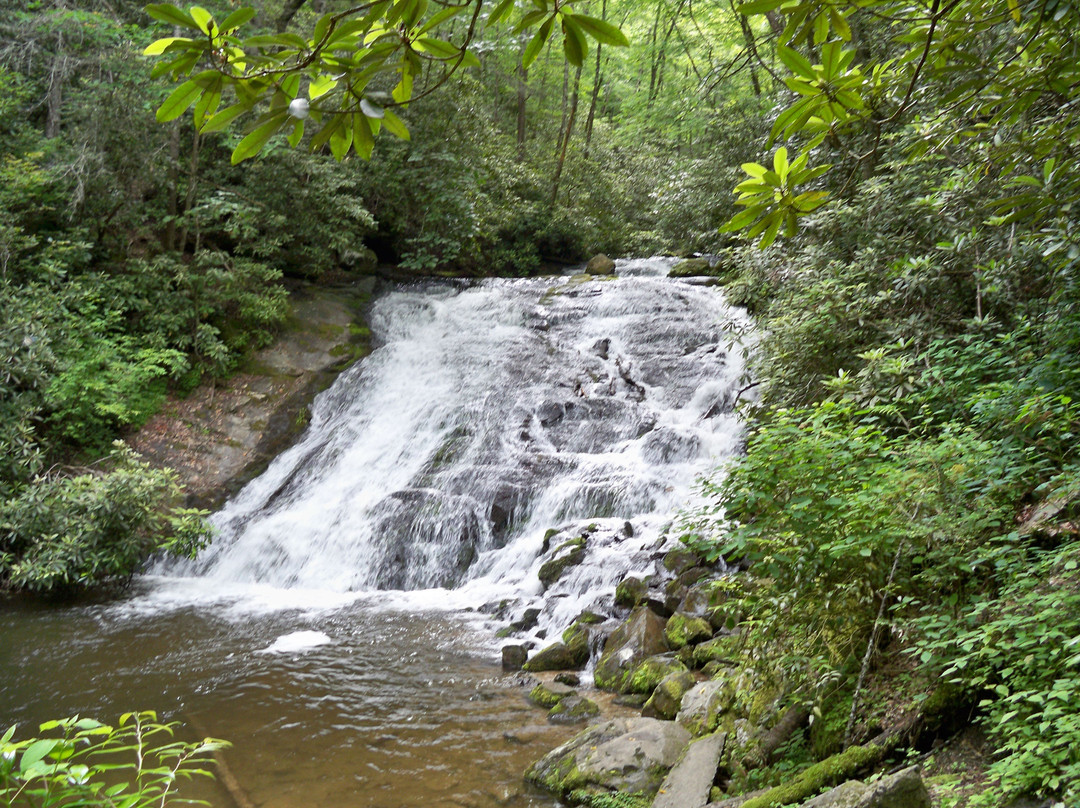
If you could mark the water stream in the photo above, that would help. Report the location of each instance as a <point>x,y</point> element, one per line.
<point>341,628</point>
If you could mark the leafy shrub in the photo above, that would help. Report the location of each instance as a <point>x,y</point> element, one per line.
<point>81,761</point>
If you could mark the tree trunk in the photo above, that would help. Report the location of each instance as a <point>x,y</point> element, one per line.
<point>598,79</point>
<point>565,139</point>
<point>287,13</point>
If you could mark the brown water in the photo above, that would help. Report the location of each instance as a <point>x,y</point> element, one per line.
<point>398,709</point>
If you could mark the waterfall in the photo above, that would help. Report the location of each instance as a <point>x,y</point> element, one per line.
<point>497,425</point>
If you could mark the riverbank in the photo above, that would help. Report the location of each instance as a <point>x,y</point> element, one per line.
<point>224,434</point>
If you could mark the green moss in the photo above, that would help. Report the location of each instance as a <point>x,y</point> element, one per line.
<point>719,649</point>
<point>646,676</point>
<point>810,781</point>
<point>610,799</point>
<point>682,630</point>
<point>544,696</point>
<point>574,709</point>
<point>568,554</point>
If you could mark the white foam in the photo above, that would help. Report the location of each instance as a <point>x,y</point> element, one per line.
<point>296,642</point>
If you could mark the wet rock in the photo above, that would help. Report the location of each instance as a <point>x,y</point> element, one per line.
<point>659,607</point>
<point>600,264</point>
<point>630,755</point>
<point>573,710</point>
<point>548,695</point>
<point>639,637</point>
<point>555,657</point>
<point>680,559</point>
<point>567,678</point>
<point>630,592</point>
<point>666,698</point>
<point>683,630</point>
<point>550,413</point>
<point>568,554</point>
<point>528,620</point>
<point>601,347</point>
<point>691,267</point>
<point>513,657</point>
<point>578,639</point>
<point>666,445</point>
<point>646,676</point>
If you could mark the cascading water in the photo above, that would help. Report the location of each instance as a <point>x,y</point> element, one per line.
<point>490,415</point>
<point>501,429</point>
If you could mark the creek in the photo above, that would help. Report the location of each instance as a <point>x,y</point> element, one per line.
<point>341,629</point>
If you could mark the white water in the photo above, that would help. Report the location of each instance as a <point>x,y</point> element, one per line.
<point>490,413</point>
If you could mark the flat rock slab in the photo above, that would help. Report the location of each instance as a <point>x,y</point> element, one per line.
<point>689,782</point>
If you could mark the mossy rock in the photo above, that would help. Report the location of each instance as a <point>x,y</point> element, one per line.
<point>720,649</point>
<point>556,657</point>
<point>630,592</point>
<point>646,676</point>
<point>666,698</point>
<point>640,636</point>
<point>827,732</point>
<point>600,264</point>
<point>683,630</point>
<point>680,559</point>
<point>573,710</point>
<point>568,554</point>
<point>549,695</point>
<point>578,640</point>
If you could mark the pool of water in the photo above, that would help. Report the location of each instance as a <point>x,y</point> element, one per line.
<point>368,705</point>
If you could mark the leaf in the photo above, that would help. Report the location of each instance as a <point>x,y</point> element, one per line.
<point>159,46</point>
<point>167,12</point>
<point>395,126</point>
<point>796,62</point>
<point>602,31</point>
<point>363,139</point>
<point>36,751</point>
<point>438,19</point>
<point>203,18</point>
<point>223,118</point>
<point>536,44</point>
<point>178,101</point>
<point>500,12</point>
<point>239,17</point>
<point>340,141</point>
<point>574,45</point>
<point>252,144</point>
<point>297,133</point>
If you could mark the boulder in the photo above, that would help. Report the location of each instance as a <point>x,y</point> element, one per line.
<point>573,710</point>
<point>630,755</point>
<point>567,554</point>
<point>651,672</point>
<point>719,649</point>
<point>630,592</point>
<point>679,560</point>
<point>514,656</point>
<point>702,706</point>
<point>549,695</point>
<point>600,264</point>
<point>905,789</point>
<point>639,637</point>
<point>666,698</point>
<point>845,795</point>
<point>578,640</point>
<point>556,657</point>
<point>683,629</point>
<point>689,782</point>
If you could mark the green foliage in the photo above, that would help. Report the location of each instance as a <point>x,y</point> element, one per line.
<point>80,761</point>
<point>73,531</point>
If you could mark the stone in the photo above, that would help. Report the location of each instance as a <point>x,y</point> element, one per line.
<point>702,706</point>
<point>691,267</point>
<point>719,649</point>
<point>651,672</point>
<point>567,678</point>
<point>631,755</point>
<point>514,657</point>
<point>689,783</point>
<point>639,637</point>
<point>684,629</point>
<point>567,554</point>
<point>555,657</point>
<point>528,620</point>
<point>905,789</point>
<point>666,698</point>
<point>845,795</point>
<point>630,592</point>
<point>600,264</point>
<point>549,695</point>
<point>362,261</point>
<point>573,710</point>
<point>679,560</point>
<point>578,640</point>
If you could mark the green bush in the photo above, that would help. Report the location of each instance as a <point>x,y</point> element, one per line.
<point>82,762</point>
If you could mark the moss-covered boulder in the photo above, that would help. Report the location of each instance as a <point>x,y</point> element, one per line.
<point>683,629</point>
<point>578,639</point>
<point>639,637</point>
<point>555,657</point>
<point>568,554</point>
<point>720,649</point>
<point>679,559</point>
<point>651,672</point>
<point>630,592</point>
<point>703,705</point>
<point>549,695</point>
<point>668,695</point>
<point>573,710</point>
<point>600,264</point>
<point>630,755</point>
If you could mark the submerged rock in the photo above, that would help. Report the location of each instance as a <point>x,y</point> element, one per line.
<point>630,755</point>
